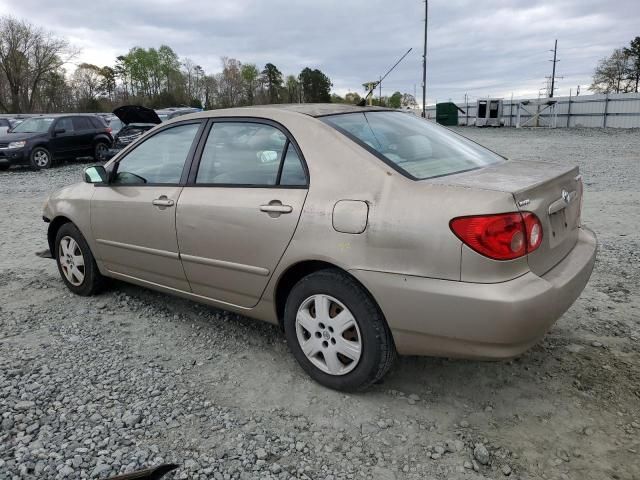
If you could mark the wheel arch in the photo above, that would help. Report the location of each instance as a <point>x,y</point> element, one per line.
<point>52,231</point>
<point>299,270</point>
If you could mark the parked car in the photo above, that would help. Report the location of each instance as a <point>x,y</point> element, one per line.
<point>173,112</point>
<point>361,231</point>
<point>5,125</point>
<point>135,120</point>
<point>41,141</point>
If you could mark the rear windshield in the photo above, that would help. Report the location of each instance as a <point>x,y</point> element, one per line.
<point>415,147</point>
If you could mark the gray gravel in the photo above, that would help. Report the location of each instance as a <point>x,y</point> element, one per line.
<point>131,378</point>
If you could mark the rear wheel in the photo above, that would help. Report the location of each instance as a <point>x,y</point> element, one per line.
<point>4,167</point>
<point>41,158</point>
<point>336,331</point>
<point>75,261</point>
<point>100,152</point>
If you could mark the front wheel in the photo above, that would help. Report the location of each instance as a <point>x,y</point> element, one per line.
<point>75,261</point>
<point>41,158</point>
<point>336,331</point>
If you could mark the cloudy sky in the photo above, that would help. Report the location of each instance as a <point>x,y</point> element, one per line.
<point>481,47</point>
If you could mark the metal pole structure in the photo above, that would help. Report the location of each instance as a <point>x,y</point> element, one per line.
<point>511,111</point>
<point>424,61</point>
<point>569,111</point>
<point>553,73</point>
<point>380,92</point>
<point>606,110</point>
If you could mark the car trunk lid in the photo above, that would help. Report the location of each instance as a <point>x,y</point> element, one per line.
<point>553,192</point>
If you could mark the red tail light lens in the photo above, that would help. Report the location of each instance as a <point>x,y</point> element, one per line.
<point>503,236</point>
<point>109,129</point>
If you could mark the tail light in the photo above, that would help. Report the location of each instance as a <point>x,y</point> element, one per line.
<point>109,129</point>
<point>502,236</point>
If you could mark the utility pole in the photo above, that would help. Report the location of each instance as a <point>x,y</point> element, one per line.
<point>553,72</point>
<point>424,61</point>
<point>380,92</point>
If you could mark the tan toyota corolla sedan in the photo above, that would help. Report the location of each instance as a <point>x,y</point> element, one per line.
<point>361,231</point>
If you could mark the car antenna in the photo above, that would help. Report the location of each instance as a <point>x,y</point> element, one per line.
<point>373,85</point>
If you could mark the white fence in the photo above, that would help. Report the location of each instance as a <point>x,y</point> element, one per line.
<point>620,110</point>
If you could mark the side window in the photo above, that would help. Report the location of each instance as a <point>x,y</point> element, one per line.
<point>241,153</point>
<point>81,123</point>
<point>65,123</point>
<point>292,171</point>
<point>160,159</point>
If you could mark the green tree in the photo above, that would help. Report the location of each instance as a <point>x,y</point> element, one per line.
<point>293,89</point>
<point>395,100</point>
<point>250,73</point>
<point>272,79</point>
<point>633,52</point>
<point>316,86</point>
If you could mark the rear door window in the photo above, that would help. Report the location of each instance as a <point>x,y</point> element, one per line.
<point>241,153</point>
<point>81,123</point>
<point>413,146</point>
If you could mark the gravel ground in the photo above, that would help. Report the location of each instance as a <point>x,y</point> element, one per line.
<point>94,387</point>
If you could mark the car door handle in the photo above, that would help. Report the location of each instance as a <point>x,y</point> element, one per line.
<point>163,202</point>
<point>276,208</point>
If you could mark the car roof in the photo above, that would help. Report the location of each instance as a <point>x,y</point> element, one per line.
<point>321,109</point>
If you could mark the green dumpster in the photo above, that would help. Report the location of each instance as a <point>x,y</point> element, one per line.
<point>447,114</point>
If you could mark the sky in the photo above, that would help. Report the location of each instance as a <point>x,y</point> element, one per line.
<point>478,48</point>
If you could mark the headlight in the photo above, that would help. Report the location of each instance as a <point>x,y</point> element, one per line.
<point>19,144</point>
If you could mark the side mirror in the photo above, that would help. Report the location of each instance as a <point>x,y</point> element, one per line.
<point>59,130</point>
<point>95,174</point>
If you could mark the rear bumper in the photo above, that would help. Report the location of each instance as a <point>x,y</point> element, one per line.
<point>474,320</point>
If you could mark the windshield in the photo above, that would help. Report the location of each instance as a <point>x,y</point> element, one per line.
<point>413,146</point>
<point>34,125</point>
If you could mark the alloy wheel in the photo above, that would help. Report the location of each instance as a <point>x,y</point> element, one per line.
<point>328,334</point>
<point>41,158</point>
<point>71,261</point>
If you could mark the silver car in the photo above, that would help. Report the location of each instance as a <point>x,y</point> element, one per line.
<point>363,232</point>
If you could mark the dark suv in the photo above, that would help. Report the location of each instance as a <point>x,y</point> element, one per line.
<point>41,141</point>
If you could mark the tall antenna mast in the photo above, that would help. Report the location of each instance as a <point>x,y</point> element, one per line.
<point>424,61</point>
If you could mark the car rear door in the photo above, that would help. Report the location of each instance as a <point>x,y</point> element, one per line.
<point>84,133</point>
<point>133,218</point>
<point>240,208</point>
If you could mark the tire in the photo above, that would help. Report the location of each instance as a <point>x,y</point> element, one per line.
<point>4,167</point>
<point>41,158</point>
<point>70,245</point>
<point>348,304</point>
<point>99,151</point>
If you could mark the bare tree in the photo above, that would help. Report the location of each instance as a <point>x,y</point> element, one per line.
<point>27,55</point>
<point>612,74</point>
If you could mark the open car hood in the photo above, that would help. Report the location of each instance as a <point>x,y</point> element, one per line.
<point>136,114</point>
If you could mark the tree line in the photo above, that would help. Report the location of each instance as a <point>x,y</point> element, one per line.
<point>619,72</point>
<point>33,79</point>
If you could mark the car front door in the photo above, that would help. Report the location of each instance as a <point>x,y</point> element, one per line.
<point>63,140</point>
<point>240,209</point>
<point>133,216</point>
